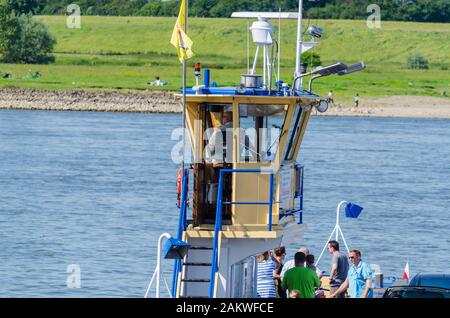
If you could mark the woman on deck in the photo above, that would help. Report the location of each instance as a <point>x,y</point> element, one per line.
<point>280,255</point>
<point>265,276</point>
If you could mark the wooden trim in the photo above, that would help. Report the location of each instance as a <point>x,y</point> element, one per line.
<point>251,99</point>
<point>180,274</point>
<point>298,143</point>
<point>238,234</point>
<point>236,121</point>
<point>216,278</point>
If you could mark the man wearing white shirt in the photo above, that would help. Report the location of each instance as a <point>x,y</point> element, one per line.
<point>291,264</point>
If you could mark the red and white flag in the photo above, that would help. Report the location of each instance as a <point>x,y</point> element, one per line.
<point>406,272</point>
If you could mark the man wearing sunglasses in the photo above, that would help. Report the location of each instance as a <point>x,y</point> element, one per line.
<point>359,279</point>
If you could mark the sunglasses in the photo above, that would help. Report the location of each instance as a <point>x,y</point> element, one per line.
<point>351,257</point>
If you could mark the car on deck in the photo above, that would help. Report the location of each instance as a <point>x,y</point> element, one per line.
<point>422,286</point>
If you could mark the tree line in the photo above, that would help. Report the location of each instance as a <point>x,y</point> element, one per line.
<point>398,10</point>
<point>22,39</point>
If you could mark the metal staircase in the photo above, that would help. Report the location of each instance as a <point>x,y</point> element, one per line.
<point>195,269</point>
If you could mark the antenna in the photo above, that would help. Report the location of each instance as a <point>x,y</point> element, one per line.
<point>262,33</point>
<point>264,15</point>
<point>248,46</point>
<point>279,47</point>
<point>298,71</point>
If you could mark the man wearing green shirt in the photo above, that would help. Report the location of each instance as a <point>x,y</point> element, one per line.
<point>301,278</point>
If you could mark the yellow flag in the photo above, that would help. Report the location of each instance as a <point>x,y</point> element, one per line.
<point>180,40</point>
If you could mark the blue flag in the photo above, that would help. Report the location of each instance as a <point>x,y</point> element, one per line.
<point>175,249</point>
<point>353,210</point>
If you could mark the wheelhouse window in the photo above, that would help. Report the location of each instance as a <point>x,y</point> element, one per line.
<point>218,133</point>
<point>293,133</point>
<point>260,128</point>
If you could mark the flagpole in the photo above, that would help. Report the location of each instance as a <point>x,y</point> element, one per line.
<point>184,88</point>
<point>337,230</point>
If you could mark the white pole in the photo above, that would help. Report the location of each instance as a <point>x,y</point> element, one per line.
<point>167,287</point>
<point>297,73</point>
<point>270,66</point>
<point>186,15</point>
<point>248,47</point>
<point>343,238</point>
<point>150,285</point>
<point>264,65</point>
<point>325,247</point>
<point>255,60</point>
<point>336,230</point>
<point>337,217</point>
<point>158,264</point>
<point>279,46</point>
<point>338,209</point>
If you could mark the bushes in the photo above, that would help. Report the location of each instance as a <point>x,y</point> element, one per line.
<point>416,61</point>
<point>22,6</point>
<point>23,40</point>
<point>411,10</point>
<point>312,58</point>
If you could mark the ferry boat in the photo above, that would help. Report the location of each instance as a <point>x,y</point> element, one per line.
<point>246,183</point>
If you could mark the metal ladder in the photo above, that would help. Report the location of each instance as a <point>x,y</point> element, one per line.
<point>192,282</point>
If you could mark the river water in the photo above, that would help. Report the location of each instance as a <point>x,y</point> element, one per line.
<point>95,190</point>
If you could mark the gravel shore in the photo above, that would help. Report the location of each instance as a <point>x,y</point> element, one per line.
<point>165,102</point>
<point>396,106</point>
<point>83,100</point>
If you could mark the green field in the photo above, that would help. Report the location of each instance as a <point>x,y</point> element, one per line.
<point>128,52</point>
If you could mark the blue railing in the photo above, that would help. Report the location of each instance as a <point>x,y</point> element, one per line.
<point>182,225</point>
<point>299,196</point>
<point>218,222</point>
<point>300,169</point>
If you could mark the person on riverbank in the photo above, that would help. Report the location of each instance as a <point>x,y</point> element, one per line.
<point>339,269</point>
<point>359,279</point>
<point>301,278</point>
<point>357,100</point>
<point>34,75</point>
<point>157,82</point>
<point>330,98</point>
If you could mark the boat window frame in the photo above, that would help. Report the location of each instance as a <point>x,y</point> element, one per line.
<point>208,123</point>
<point>284,113</point>
<point>294,129</point>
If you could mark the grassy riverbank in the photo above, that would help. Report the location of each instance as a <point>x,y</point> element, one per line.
<point>128,52</point>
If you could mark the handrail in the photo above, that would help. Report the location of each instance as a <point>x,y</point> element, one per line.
<point>298,195</point>
<point>182,225</point>
<point>301,194</point>
<point>157,273</point>
<point>218,222</point>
